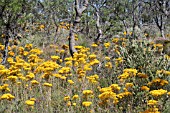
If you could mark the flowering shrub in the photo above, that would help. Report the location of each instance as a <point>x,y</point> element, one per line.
<point>116,76</point>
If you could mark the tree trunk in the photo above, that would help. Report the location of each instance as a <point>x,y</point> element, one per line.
<point>55,35</point>
<point>160,24</point>
<point>5,53</point>
<point>162,33</point>
<point>72,42</point>
<point>79,10</point>
<point>125,26</point>
<point>99,30</point>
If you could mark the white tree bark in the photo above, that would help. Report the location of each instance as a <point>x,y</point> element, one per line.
<point>98,26</point>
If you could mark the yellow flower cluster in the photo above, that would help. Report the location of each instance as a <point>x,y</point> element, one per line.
<point>94,45</point>
<point>47,66</point>
<point>152,102</point>
<point>164,72</point>
<point>28,46</point>
<point>55,58</point>
<point>116,40</point>
<point>66,98</point>
<point>2,47</point>
<point>124,94</point>
<point>158,92</point>
<point>7,96</point>
<point>118,61</point>
<point>12,78</point>
<point>47,84</point>
<point>142,75</point>
<point>93,79</point>
<point>157,82</point>
<point>87,92</point>
<point>108,65</point>
<point>30,102</point>
<point>64,25</point>
<point>34,82</point>
<point>70,101</point>
<point>107,44</point>
<point>145,88</point>
<point>128,73</point>
<point>75,97</point>
<point>151,110</point>
<point>5,87</point>
<point>109,94</point>
<point>70,82</point>
<point>86,103</point>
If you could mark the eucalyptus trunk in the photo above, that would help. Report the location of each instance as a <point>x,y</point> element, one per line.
<point>79,11</point>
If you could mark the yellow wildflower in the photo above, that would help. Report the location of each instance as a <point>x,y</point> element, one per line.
<point>123,76</point>
<point>70,81</point>
<point>92,56</point>
<point>132,72</point>
<point>151,110</point>
<point>54,58</point>
<point>12,78</point>
<point>145,88</point>
<point>124,32</point>
<point>7,96</point>
<point>168,93</point>
<point>86,103</point>
<point>87,92</point>
<point>32,99</point>
<point>94,45</point>
<point>108,65</point>
<point>68,63</point>
<point>30,76</point>
<point>142,75</point>
<point>107,44</point>
<point>152,102</point>
<point>115,40</point>
<point>128,85</point>
<point>106,89</point>
<point>65,46</point>
<point>41,26</point>
<point>11,53</point>
<point>75,97</point>
<point>167,72</point>
<point>107,58</point>
<point>2,35</point>
<point>159,92</point>
<point>34,82</point>
<point>47,84</point>
<point>63,78</point>
<point>29,102</point>
<point>163,82</point>
<point>106,95</point>
<point>74,104</point>
<point>69,103</point>
<point>115,87</point>
<point>66,98</point>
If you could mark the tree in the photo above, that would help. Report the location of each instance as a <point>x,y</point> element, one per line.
<point>157,12</point>
<point>12,13</point>
<point>160,12</point>
<point>80,7</point>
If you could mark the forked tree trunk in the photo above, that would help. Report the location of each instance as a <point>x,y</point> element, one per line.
<point>99,30</point>
<point>79,8</point>
<point>160,24</point>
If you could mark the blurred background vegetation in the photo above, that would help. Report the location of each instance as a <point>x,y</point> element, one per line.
<point>29,18</point>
